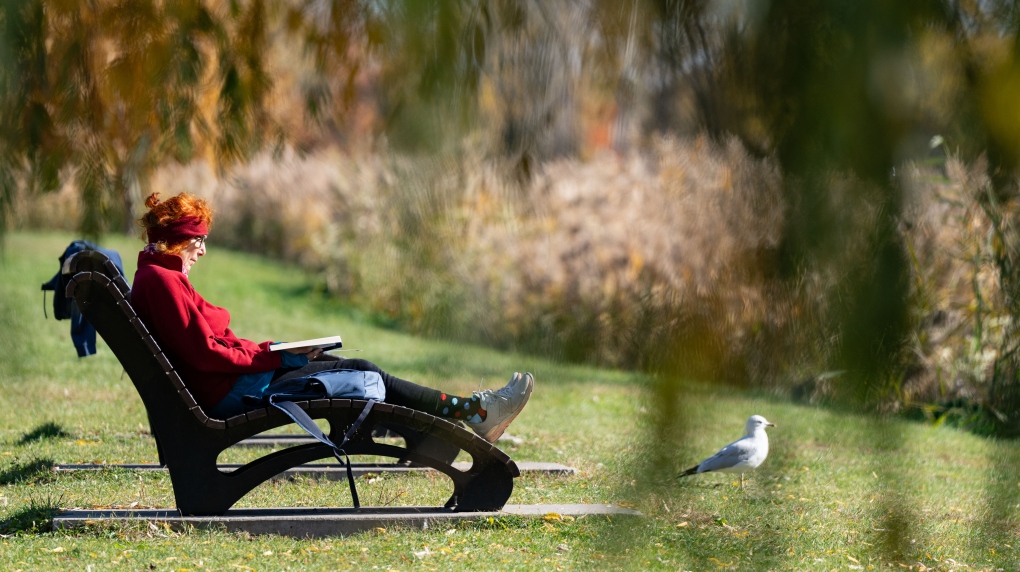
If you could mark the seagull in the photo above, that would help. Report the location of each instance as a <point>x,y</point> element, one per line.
<point>739,456</point>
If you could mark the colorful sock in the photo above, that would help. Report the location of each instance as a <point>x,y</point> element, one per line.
<point>462,408</point>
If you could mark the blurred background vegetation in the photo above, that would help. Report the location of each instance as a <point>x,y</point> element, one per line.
<point>812,198</point>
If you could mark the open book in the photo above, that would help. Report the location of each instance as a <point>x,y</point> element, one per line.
<point>330,343</point>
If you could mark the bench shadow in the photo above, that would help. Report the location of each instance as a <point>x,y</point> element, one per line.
<point>47,430</point>
<point>24,472</point>
<point>36,518</point>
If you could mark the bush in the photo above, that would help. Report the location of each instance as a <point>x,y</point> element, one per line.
<point>664,259</point>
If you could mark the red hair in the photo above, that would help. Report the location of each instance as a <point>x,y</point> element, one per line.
<point>162,213</point>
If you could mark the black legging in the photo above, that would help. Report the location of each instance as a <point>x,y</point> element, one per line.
<point>398,391</point>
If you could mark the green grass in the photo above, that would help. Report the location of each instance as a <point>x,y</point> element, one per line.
<point>839,491</point>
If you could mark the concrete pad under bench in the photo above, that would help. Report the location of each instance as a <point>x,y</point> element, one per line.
<point>289,440</point>
<point>278,440</point>
<point>330,471</point>
<point>318,522</point>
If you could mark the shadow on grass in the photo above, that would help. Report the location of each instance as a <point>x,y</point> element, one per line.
<point>999,528</point>
<point>30,471</point>
<point>36,518</point>
<point>47,430</point>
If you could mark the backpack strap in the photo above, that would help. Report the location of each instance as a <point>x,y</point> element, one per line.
<point>303,420</point>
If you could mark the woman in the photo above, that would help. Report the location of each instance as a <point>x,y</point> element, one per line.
<point>220,368</point>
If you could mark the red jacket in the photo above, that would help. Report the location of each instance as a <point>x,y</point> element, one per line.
<point>194,334</point>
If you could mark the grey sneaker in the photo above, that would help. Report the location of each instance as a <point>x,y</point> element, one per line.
<point>502,406</point>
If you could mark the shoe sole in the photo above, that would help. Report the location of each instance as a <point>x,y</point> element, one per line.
<point>497,431</point>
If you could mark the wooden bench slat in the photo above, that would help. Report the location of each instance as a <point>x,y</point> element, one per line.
<point>176,380</point>
<point>163,362</point>
<point>150,343</point>
<point>236,420</point>
<point>424,418</point>
<point>125,307</point>
<point>200,415</point>
<point>215,424</point>
<point>139,326</point>
<point>115,290</point>
<point>111,268</point>
<point>79,278</point>
<point>188,399</point>
<point>122,285</point>
<point>256,414</point>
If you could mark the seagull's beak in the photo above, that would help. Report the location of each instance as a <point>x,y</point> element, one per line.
<point>770,424</point>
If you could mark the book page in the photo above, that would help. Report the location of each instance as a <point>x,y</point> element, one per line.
<point>330,343</point>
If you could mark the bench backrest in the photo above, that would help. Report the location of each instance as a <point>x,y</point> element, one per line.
<point>105,304</point>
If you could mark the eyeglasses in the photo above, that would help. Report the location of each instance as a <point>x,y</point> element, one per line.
<point>199,241</point>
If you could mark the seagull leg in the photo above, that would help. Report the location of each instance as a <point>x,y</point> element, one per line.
<point>741,481</point>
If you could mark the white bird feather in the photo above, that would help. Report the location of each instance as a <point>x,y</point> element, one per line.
<point>740,456</point>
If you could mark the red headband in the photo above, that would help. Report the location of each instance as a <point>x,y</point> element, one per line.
<point>178,231</point>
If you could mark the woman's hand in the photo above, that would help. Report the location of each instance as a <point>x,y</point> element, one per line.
<point>309,352</point>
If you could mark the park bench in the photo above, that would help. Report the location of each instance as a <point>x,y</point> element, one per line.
<point>96,261</point>
<point>189,441</point>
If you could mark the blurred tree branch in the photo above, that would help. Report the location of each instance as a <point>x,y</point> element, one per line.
<point>104,91</point>
<point>837,93</point>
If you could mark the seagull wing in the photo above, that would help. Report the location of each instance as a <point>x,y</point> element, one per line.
<point>729,456</point>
